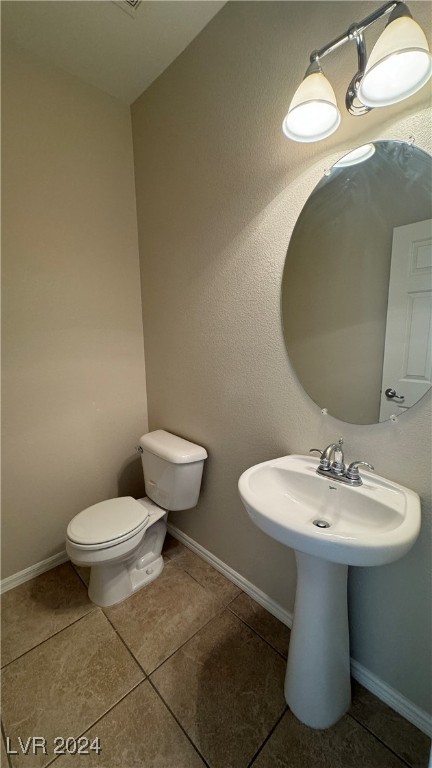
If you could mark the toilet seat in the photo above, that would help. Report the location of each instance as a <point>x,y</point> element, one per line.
<point>108,523</point>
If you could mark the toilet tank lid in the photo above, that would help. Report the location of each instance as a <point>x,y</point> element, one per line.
<point>172,448</point>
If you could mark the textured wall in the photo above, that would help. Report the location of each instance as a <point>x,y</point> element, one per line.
<point>74,398</point>
<point>218,192</point>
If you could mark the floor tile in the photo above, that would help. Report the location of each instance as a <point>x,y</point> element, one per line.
<point>139,732</point>
<point>61,687</point>
<point>400,735</point>
<point>39,608</point>
<point>68,672</point>
<point>172,547</point>
<point>267,626</point>
<point>84,573</point>
<point>209,578</point>
<point>226,688</point>
<point>162,616</point>
<point>345,745</point>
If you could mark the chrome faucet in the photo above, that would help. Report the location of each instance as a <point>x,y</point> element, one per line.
<point>333,451</point>
<point>336,469</point>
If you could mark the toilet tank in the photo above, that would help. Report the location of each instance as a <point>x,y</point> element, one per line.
<point>172,469</point>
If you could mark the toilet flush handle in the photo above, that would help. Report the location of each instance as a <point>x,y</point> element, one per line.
<point>139,449</point>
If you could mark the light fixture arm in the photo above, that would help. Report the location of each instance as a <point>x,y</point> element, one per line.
<point>360,27</point>
<point>352,101</point>
<point>355,33</point>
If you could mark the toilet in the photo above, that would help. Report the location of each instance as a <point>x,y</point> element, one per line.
<point>121,539</point>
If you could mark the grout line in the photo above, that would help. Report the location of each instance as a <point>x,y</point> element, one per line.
<point>228,604</point>
<point>219,613</point>
<point>178,722</point>
<point>236,578</point>
<point>146,675</point>
<point>377,738</point>
<point>203,586</point>
<point>98,719</point>
<point>147,679</point>
<point>257,633</point>
<point>220,610</point>
<point>267,738</point>
<point>240,592</point>
<point>4,742</point>
<point>197,581</point>
<point>181,568</point>
<point>75,621</point>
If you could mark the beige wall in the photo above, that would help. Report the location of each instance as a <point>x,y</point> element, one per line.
<point>74,400</point>
<point>218,192</point>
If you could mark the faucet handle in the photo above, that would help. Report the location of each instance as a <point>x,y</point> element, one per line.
<point>353,471</point>
<point>324,459</point>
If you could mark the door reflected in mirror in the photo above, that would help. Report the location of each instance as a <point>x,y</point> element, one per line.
<point>357,284</point>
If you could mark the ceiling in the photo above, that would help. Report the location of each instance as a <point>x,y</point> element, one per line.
<point>108,44</point>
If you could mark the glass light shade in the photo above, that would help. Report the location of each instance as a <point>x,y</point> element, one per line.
<point>399,65</point>
<point>313,114</point>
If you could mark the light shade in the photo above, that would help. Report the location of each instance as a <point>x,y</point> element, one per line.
<point>399,65</point>
<point>313,112</point>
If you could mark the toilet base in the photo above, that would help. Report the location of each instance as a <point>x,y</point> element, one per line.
<point>115,581</point>
<point>111,584</point>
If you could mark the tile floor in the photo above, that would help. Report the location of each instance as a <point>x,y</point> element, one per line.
<point>184,674</point>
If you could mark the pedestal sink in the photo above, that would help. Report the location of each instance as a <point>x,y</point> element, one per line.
<point>330,526</point>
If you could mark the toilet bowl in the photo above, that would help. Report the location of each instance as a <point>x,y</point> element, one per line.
<point>124,562</point>
<point>121,539</point>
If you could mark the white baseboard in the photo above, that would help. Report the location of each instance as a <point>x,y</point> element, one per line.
<point>246,586</point>
<point>34,570</point>
<point>410,711</point>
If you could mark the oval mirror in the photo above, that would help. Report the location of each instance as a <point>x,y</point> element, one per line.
<point>357,284</point>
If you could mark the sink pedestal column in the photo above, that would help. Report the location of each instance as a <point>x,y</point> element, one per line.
<point>317,683</point>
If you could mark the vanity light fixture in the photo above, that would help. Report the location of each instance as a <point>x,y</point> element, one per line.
<point>399,65</point>
<point>313,113</point>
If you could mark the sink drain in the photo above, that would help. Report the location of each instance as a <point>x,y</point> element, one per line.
<point>321,523</point>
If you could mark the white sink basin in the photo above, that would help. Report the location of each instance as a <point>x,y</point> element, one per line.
<point>371,524</point>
